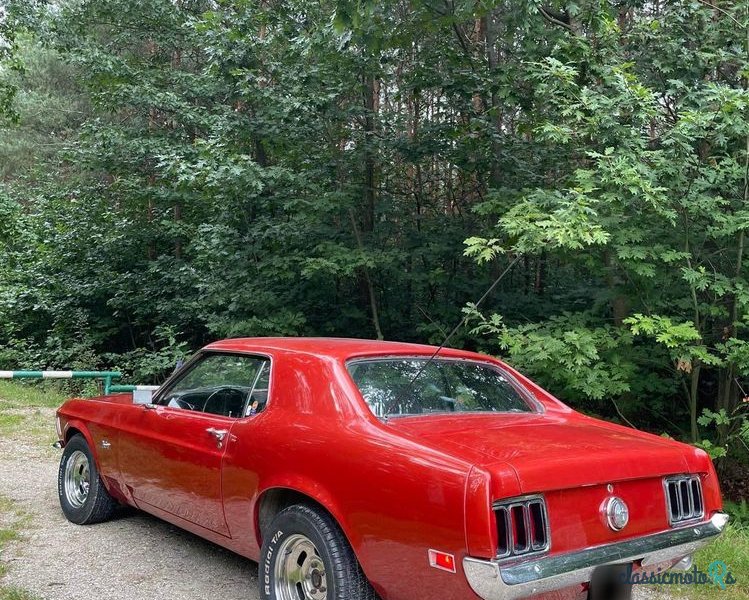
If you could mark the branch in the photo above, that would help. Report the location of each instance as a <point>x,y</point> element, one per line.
<point>554,19</point>
<point>725,12</point>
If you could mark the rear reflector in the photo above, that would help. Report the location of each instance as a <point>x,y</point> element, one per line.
<point>442,560</point>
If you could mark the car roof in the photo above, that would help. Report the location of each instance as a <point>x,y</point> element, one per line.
<point>336,348</point>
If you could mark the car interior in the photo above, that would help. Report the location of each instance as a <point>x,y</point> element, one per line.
<point>208,386</point>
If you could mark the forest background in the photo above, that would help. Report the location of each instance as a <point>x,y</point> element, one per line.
<point>176,171</point>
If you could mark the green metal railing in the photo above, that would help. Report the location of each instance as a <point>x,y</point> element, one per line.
<point>105,376</point>
<point>133,388</point>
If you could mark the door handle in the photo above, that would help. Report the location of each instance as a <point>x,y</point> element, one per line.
<point>219,434</point>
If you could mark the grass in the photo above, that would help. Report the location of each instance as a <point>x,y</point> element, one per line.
<point>12,593</point>
<point>24,410</point>
<point>14,395</point>
<point>12,522</point>
<point>732,548</point>
<point>10,422</point>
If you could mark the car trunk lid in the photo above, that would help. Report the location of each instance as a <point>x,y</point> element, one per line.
<point>549,452</point>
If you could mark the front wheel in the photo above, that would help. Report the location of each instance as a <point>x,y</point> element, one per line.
<point>83,497</point>
<point>305,556</point>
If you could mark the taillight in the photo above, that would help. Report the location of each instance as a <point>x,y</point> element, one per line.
<point>522,526</point>
<point>683,498</point>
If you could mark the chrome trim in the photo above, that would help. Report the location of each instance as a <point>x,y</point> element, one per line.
<point>608,512</point>
<point>684,516</point>
<point>502,512</point>
<point>219,434</point>
<point>77,479</point>
<point>495,580</point>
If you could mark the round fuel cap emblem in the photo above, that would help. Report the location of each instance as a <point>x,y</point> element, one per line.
<point>615,513</point>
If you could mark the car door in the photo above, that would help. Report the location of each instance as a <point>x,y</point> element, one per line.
<point>171,452</point>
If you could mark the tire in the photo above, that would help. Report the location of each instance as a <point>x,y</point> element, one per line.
<point>305,556</point>
<point>83,498</point>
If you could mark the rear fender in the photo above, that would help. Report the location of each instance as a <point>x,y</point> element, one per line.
<point>310,489</point>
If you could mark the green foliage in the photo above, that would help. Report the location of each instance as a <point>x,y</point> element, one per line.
<point>642,198</point>
<point>734,427</point>
<point>739,512</point>
<point>566,353</point>
<point>715,452</point>
<point>194,170</point>
<point>151,364</point>
<point>732,548</point>
<point>682,340</point>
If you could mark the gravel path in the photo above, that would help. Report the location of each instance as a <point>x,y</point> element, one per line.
<point>134,557</point>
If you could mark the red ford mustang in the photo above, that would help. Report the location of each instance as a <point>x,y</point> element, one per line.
<point>352,469</point>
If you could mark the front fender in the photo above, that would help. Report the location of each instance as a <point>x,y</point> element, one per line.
<point>106,464</point>
<point>72,426</point>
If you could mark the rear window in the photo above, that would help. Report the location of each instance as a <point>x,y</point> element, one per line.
<point>417,386</point>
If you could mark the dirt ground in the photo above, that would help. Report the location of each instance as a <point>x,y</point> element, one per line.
<point>134,557</point>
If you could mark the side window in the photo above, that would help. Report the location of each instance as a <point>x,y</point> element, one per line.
<point>231,385</point>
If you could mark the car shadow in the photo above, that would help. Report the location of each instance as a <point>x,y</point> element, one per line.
<point>171,535</point>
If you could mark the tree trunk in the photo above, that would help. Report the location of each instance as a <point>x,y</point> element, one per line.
<point>539,284</point>
<point>619,302</point>
<point>178,240</point>
<point>490,38</point>
<point>369,197</point>
<point>368,281</point>
<point>693,401</point>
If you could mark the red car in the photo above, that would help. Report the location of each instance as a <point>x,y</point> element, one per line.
<point>355,469</point>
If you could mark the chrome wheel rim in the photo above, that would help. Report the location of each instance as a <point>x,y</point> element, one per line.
<point>299,571</point>
<point>77,479</point>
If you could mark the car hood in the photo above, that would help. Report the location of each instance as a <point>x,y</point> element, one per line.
<point>549,451</point>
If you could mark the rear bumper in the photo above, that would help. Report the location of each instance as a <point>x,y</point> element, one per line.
<point>495,581</point>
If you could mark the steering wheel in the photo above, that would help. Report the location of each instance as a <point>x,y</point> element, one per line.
<point>228,390</point>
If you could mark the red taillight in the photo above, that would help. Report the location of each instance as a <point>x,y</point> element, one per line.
<point>442,560</point>
<point>522,526</point>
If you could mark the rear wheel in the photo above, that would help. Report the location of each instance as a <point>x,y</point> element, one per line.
<point>305,556</point>
<point>83,497</point>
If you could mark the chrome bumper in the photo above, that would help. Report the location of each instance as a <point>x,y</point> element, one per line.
<point>495,581</point>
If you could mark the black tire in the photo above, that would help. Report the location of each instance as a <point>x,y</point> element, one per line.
<point>93,506</point>
<point>343,576</point>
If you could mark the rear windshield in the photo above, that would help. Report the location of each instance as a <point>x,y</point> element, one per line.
<point>415,386</point>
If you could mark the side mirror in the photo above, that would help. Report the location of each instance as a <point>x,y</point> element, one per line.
<point>142,396</point>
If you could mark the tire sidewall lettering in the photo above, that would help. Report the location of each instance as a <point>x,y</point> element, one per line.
<point>268,560</point>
